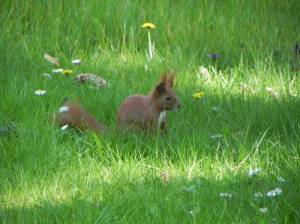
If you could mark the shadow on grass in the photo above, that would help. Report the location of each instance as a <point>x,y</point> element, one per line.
<point>149,199</point>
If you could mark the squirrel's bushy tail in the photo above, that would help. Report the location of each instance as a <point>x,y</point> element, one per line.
<point>76,116</point>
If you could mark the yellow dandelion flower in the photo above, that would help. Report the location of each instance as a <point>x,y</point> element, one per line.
<point>148,26</point>
<point>198,95</point>
<point>67,72</point>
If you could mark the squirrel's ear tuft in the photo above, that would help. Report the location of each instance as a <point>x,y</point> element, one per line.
<point>164,78</point>
<point>170,81</point>
<point>168,78</point>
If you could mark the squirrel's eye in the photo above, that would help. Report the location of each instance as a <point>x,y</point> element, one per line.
<point>168,98</point>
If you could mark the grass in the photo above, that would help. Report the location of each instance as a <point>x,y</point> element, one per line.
<point>51,176</point>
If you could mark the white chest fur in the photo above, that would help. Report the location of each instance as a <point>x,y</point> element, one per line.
<point>162,117</point>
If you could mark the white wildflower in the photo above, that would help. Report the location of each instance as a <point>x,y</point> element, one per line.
<point>47,75</point>
<point>57,70</point>
<point>263,210</point>
<point>258,195</point>
<point>76,62</point>
<point>216,136</point>
<point>63,109</point>
<point>64,127</point>
<point>40,92</point>
<point>275,192</point>
<point>253,172</point>
<point>225,195</point>
<point>280,179</point>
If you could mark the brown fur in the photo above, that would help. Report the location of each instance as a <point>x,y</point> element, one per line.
<point>144,111</point>
<point>79,118</point>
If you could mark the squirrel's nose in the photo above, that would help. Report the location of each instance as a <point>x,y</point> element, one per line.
<point>179,105</point>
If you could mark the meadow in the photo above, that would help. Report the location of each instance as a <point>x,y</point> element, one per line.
<point>224,152</point>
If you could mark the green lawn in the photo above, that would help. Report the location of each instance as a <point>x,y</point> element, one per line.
<point>248,118</point>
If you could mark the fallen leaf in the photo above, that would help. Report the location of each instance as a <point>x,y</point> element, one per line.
<point>93,78</point>
<point>51,59</point>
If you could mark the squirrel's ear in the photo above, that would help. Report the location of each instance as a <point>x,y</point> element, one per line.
<point>170,80</point>
<point>160,89</point>
<point>164,79</point>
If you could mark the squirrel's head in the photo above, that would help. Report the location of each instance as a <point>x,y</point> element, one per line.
<point>163,95</point>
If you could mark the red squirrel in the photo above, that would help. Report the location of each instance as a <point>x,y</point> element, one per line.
<point>74,115</point>
<point>149,111</point>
